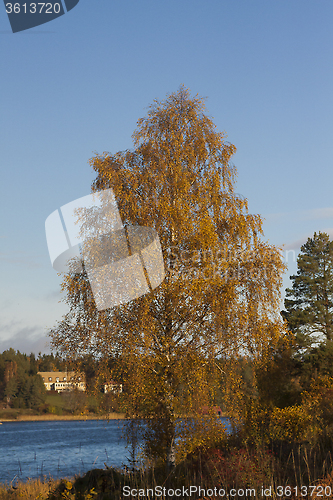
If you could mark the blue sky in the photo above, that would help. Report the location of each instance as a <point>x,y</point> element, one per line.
<point>77,85</point>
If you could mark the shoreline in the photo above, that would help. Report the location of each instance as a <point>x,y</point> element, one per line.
<point>49,417</point>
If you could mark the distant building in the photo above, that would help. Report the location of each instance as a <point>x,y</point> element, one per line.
<point>113,387</point>
<point>63,381</point>
<point>205,410</point>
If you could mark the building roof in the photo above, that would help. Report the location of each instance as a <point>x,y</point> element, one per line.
<point>61,375</point>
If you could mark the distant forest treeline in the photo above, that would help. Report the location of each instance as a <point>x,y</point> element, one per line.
<point>286,378</point>
<point>22,388</point>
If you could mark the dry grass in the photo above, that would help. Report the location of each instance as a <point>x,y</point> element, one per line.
<point>35,489</point>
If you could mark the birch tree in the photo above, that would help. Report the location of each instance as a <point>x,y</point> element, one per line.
<point>221,291</point>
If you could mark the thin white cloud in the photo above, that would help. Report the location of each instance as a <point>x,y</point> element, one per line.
<point>296,244</point>
<point>318,213</point>
<point>55,295</point>
<point>313,214</point>
<point>301,221</point>
<point>21,258</point>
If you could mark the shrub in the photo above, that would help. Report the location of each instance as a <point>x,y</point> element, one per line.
<point>237,467</point>
<point>291,424</point>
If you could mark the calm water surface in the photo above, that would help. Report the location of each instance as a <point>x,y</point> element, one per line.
<point>60,448</point>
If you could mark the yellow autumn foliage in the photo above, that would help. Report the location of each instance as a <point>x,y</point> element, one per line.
<point>292,424</point>
<point>220,297</point>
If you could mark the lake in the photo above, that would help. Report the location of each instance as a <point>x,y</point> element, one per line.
<point>60,448</point>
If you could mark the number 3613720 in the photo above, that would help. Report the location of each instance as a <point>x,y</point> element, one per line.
<point>33,8</point>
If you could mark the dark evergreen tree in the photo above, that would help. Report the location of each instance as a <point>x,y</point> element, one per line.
<point>317,363</point>
<point>49,363</point>
<point>279,381</point>
<point>309,304</point>
<point>20,386</point>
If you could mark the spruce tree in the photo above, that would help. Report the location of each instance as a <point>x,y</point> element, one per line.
<point>309,303</point>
